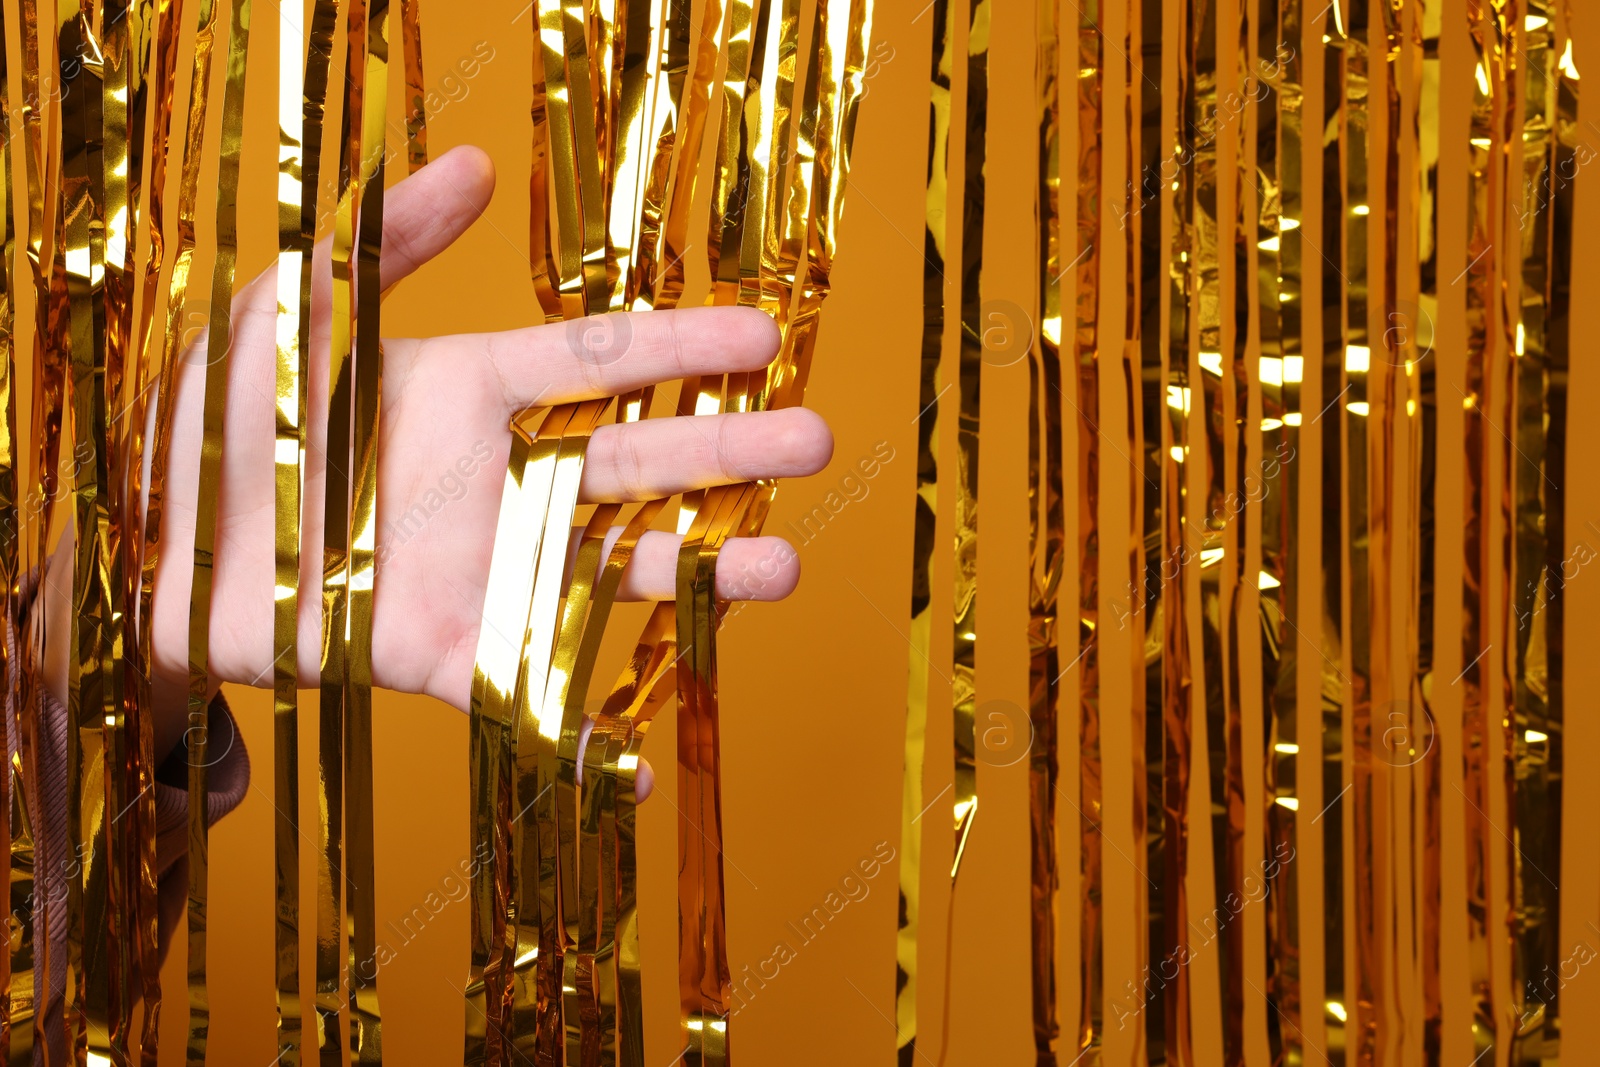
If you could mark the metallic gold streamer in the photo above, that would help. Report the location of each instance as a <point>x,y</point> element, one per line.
<point>1238,588</point>
<point>163,375</point>
<point>1500,412</point>
<point>1536,473</point>
<point>83,205</point>
<point>366,1040</point>
<point>44,242</point>
<point>1046,545</point>
<point>605,881</point>
<point>924,523</point>
<point>219,340</point>
<point>1142,220</point>
<point>1546,299</point>
<point>22,1020</point>
<point>335,674</point>
<point>1085,359</point>
<point>42,249</point>
<point>1358,397</point>
<point>1484,191</point>
<point>416,107</point>
<point>1279,270</point>
<point>16,992</point>
<point>121,165</point>
<point>295,235</point>
<point>584,912</point>
<point>705,984</point>
<point>1177,683</point>
<point>1332,809</point>
<point>693,102</point>
<point>1424,385</point>
<point>1387,456</point>
<point>151,70</point>
<point>1206,397</point>
<point>963,677</point>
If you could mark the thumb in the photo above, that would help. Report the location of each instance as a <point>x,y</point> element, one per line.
<point>424,214</point>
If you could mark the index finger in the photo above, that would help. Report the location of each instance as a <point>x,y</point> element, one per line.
<point>604,355</point>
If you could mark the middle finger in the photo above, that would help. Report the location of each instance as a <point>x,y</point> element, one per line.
<point>662,457</point>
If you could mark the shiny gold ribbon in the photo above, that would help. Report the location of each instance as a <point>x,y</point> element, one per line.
<point>365,1040</point>
<point>907,967</point>
<point>297,196</point>
<point>17,988</point>
<point>219,340</point>
<point>1085,399</point>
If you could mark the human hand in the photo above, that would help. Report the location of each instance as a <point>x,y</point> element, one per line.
<point>447,403</point>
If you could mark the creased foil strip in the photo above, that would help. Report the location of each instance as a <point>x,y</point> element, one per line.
<point>17,989</point>
<point>1423,382</point>
<point>219,340</point>
<point>43,252</point>
<point>1537,474</point>
<point>1550,168</point>
<point>1177,682</point>
<point>151,85</point>
<point>924,526</point>
<point>334,670</point>
<point>162,355</point>
<point>1209,536</point>
<point>937,297</point>
<point>1389,424</point>
<point>1280,279</point>
<point>1085,400</point>
<point>416,106</point>
<point>83,205</point>
<point>969,368</point>
<point>1239,586</point>
<point>366,1025</point>
<point>297,190</point>
<point>1328,639</point>
<point>1046,545</point>
<point>1485,196</point>
<point>123,30</point>
<point>1148,146</point>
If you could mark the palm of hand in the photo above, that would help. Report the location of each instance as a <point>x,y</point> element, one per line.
<point>444,441</point>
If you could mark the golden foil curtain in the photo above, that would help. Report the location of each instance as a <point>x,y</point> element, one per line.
<point>627,96</point>
<point>1277,238</point>
<point>1307,311</point>
<point>624,98</point>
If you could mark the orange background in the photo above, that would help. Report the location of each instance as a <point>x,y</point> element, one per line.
<point>813,689</point>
